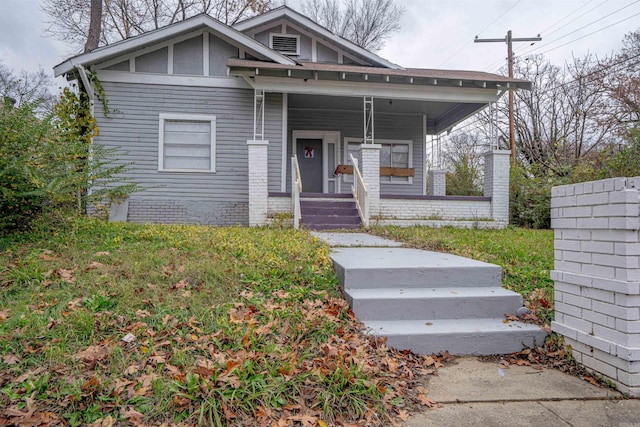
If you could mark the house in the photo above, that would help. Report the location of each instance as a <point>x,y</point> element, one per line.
<point>239,124</point>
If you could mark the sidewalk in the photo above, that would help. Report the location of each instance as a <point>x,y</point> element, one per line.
<point>476,393</point>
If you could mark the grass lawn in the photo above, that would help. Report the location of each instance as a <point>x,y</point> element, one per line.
<point>122,324</point>
<point>526,256</point>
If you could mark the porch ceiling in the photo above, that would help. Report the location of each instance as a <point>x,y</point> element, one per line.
<point>440,115</point>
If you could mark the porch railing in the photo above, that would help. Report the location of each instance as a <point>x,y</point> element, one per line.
<point>360,192</point>
<point>296,189</point>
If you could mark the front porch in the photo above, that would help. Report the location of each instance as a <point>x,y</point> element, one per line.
<point>336,141</point>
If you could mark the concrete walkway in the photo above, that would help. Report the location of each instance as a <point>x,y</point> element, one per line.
<point>476,393</point>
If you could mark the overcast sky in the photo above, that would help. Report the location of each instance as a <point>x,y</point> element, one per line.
<point>434,33</point>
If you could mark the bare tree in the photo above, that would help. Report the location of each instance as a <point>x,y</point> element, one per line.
<point>366,23</point>
<point>562,118</point>
<point>26,87</point>
<point>69,20</point>
<point>464,162</point>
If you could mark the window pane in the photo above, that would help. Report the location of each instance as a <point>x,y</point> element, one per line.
<point>385,155</point>
<point>187,145</point>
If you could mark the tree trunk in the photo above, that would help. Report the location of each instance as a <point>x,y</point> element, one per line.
<point>95,24</point>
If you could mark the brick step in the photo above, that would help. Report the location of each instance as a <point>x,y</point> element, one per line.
<point>374,268</point>
<point>432,303</point>
<point>458,336</point>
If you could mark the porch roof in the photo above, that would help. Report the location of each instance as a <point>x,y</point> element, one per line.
<point>413,76</point>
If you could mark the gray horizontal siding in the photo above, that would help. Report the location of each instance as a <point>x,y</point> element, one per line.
<point>132,127</point>
<point>350,125</point>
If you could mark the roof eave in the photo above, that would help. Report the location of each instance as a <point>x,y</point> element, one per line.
<point>165,33</point>
<point>250,69</point>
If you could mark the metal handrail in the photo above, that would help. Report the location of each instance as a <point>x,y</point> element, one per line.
<point>360,192</point>
<point>296,189</point>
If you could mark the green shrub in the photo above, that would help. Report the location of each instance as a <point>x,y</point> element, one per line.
<point>530,198</point>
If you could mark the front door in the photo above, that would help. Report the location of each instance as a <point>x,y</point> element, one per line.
<point>309,152</point>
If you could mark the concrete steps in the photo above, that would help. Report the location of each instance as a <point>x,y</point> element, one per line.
<point>329,213</point>
<point>479,337</point>
<point>430,302</point>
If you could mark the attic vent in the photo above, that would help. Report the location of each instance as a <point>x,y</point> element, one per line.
<point>285,44</point>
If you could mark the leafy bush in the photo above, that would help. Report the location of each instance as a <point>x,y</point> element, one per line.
<point>464,180</point>
<point>46,162</point>
<point>26,174</point>
<point>530,198</point>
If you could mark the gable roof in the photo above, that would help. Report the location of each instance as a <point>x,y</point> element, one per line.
<point>199,21</point>
<point>288,13</point>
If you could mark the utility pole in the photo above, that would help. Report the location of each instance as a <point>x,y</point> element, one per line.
<point>509,41</point>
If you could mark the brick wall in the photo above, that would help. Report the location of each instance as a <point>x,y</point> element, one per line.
<point>496,183</point>
<point>167,211</point>
<point>369,163</point>
<point>412,209</point>
<point>597,276</point>
<point>437,183</point>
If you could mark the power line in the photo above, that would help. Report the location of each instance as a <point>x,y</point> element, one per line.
<point>578,38</point>
<point>578,17</point>
<point>585,26</point>
<point>479,32</point>
<point>563,26</point>
<point>594,32</point>
<point>593,73</point>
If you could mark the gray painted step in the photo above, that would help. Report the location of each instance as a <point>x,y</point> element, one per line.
<point>359,268</point>
<point>432,303</point>
<point>330,219</point>
<point>329,211</point>
<point>317,227</point>
<point>458,336</point>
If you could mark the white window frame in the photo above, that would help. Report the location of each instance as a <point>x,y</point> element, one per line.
<point>186,117</point>
<point>296,36</point>
<point>347,141</point>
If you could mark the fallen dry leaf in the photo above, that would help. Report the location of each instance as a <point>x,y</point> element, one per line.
<point>4,314</point>
<point>403,414</point>
<point>142,313</point>
<point>93,265</point>
<point>424,400</point>
<point>93,353</point>
<point>102,253</point>
<point>48,255</point>
<point>10,359</point>
<point>66,275</point>
<point>132,416</point>
<point>180,285</point>
<point>306,420</point>
<point>103,422</point>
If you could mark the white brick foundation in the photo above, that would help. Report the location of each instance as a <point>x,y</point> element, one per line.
<point>258,173</point>
<point>597,276</point>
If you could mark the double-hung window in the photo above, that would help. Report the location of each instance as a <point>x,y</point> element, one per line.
<point>393,154</point>
<point>187,143</point>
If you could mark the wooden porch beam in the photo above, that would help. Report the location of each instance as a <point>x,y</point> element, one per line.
<point>384,171</point>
